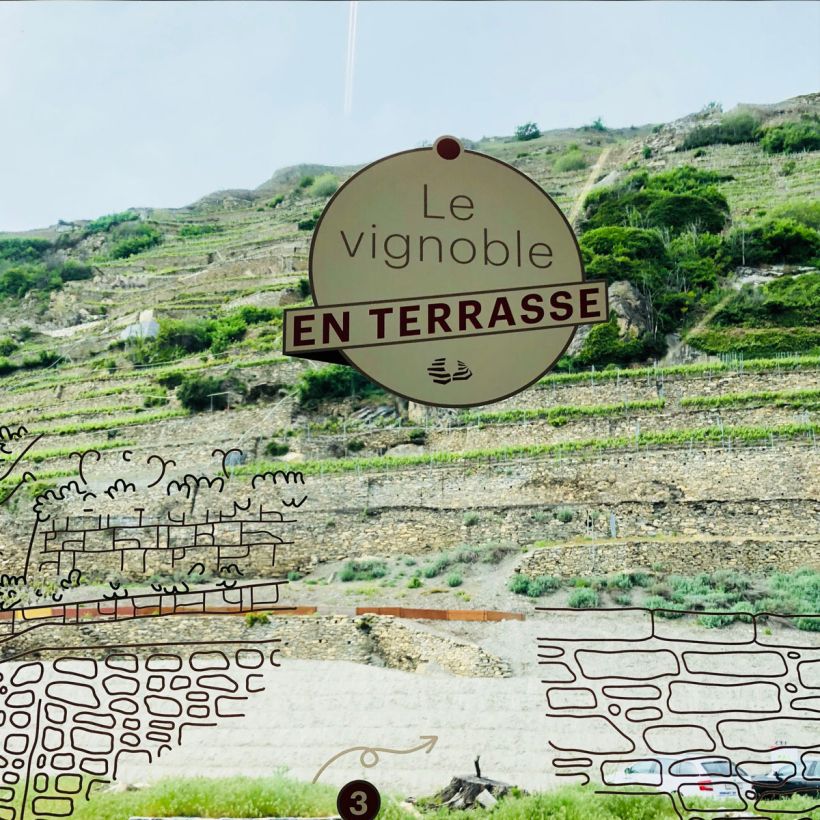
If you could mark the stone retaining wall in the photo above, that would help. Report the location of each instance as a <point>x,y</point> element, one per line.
<point>624,424</point>
<point>421,510</point>
<point>679,556</point>
<point>596,390</point>
<point>379,640</point>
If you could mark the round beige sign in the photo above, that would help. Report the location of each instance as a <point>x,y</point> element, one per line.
<point>446,276</point>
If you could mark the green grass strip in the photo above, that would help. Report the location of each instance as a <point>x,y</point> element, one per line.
<point>559,414</point>
<point>748,366</point>
<point>112,424</point>
<point>61,452</point>
<point>33,488</point>
<point>90,411</point>
<point>782,398</point>
<point>279,796</point>
<point>664,438</point>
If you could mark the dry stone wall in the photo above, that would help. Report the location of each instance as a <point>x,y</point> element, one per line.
<point>682,555</point>
<point>644,688</point>
<point>625,424</point>
<point>379,640</point>
<point>597,390</point>
<point>414,511</point>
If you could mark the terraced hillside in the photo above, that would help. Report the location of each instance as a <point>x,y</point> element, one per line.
<point>159,331</point>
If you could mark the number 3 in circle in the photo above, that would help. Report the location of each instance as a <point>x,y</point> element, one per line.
<point>358,800</point>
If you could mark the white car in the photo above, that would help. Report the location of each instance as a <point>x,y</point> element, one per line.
<point>690,777</point>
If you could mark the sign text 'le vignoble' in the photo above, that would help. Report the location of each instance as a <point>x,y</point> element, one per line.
<point>446,276</point>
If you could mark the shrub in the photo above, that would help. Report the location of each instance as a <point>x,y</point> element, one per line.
<point>604,345</point>
<point>621,581</point>
<point>140,240</point>
<point>470,519</point>
<point>73,271</point>
<point>277,200</point>
<point>363,571</point>
<point>542,585</point>
<point>293,575</point>
<point>791,137</point>
<point>171,379</point>
<point>303,287</point>
<point>790,301</point>
<point>414,583</point>
<point>253,315</point>
<point>276,448</point>
<point>773,241</point>
<point>333,382</point>
<point>522,584</point>
<point>105,223</point>
<point>417,437</point>
<point>596,125</point>
<point>716,621</point>
<point>624,243</point>
<point>183,335</point>
<point>731,130</point>
<point>454,580</point>
<point>647,152</point>
<point>256,619</point>
<point>225,332</point>
<point>679,211</point>
<point>804,211</point>
<point>756,342</point>
<point>305,182</point>
<point>16,282</point>
<point>324,186</point>
<point>633,199</point>
<point>564,514</point>
<point>309,223</point>
<point>204,392</point>
<point>494,553</point>
<point>202,229</point>
<point>519,584</point>
<point>571,161</point>
<point>7,346</point>
<point>583,598</point>
<point>45,358</point>
<point>23,250</point>
<point>527,131</point>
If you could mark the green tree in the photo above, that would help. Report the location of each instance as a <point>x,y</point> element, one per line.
<point>527,131</point>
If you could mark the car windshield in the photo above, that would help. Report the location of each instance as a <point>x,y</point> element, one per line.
<point>718,767</point>
<point>643,767</point>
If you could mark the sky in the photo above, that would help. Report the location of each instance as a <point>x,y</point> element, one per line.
<point>110,105</point>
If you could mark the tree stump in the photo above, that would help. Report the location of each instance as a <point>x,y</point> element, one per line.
<point>466,791</point>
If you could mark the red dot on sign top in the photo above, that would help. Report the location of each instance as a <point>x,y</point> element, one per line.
<point>448,148</point>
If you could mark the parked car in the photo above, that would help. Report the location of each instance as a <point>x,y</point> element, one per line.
<point>787,779</point>
<point>691,777</point>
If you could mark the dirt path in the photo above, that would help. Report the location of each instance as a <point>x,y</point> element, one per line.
<point>593,175</point>
<point>701,325</point>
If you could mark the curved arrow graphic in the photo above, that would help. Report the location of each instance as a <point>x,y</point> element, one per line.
<point>369,756</point>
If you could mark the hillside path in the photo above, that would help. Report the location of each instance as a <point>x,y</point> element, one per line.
<point>701,325</point>
<point>590,181</point>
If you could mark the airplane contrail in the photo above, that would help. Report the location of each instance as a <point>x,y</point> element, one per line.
<point>352,19</point>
